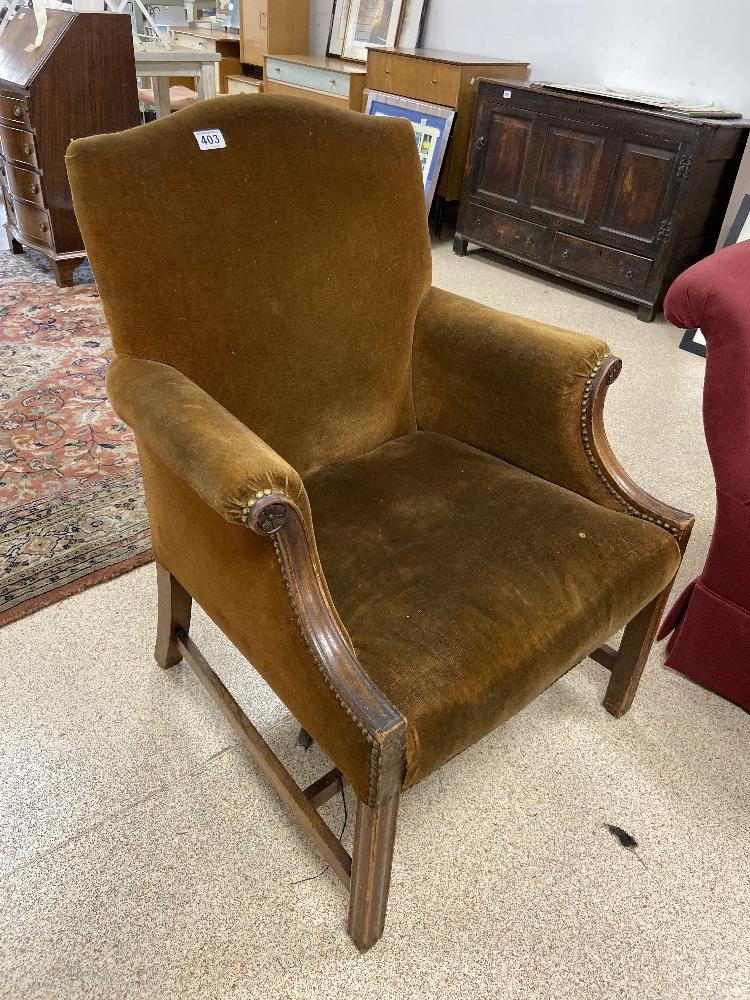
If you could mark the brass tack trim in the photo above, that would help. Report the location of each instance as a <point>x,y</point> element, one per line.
<point>321,667</point>
<point>608,485</point>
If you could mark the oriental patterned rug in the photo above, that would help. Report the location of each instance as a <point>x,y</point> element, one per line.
<point>72,512</point>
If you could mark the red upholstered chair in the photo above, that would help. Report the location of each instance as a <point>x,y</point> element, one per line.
<point>710,622</point>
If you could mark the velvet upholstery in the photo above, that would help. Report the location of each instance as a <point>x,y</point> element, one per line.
<point>274,329</point>
<point>468,585</point>
<point>507,385</point>
<point>710,622</point>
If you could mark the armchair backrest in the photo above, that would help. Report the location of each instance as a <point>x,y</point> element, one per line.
<point>281,271</point>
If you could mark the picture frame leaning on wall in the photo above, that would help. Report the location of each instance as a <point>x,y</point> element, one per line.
<point>432,125</point>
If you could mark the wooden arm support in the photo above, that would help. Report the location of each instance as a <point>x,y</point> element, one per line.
<point>279,518</point>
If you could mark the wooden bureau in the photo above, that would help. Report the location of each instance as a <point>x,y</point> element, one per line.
<point>331,81</point>
<point>80,81</point>
<point>616,196</point>
<point>448,78</point>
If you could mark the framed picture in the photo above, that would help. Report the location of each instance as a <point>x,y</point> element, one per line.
<point>339,15</point>
<point>693,340</point>
<point>371,23</point>
<point>410,32</point>
<point>412,24</point>
<point>432,128</point>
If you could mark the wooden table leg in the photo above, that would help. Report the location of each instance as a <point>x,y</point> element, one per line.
<point>207,82</point>
<point>161,96</point>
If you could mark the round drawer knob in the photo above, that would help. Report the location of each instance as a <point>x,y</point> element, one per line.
<point>628,274</point>
<point>43,226</point>
<point>16,112</point>
<point>529,241</point>
<point>27,149</point>
<point>565,254</point>
<point>35,189</point>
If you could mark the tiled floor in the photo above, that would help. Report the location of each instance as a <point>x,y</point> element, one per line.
<point>141,854</point>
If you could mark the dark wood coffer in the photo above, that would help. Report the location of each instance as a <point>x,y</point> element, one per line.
<point>80,81</point>
<point>615,196</point>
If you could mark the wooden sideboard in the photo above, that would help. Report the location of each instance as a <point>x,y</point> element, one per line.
<point>273,26</point>
<point>80,81</point>
<point>448,78</point>
<point>615,196</point>
<point>331,81</point>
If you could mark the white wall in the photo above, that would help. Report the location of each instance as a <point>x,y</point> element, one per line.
<point>696,49</point>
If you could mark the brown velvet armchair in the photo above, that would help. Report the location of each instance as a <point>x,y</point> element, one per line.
<point>399,505</point>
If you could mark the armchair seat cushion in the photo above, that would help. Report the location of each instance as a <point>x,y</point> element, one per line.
<point>468,586</point>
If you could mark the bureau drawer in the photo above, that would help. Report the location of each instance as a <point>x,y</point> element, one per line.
<point>33,222</point>
<point>243,85</point>
<point>505,232</point>
<point>599,262</point>
<point>18,145</point>
<point>193,42</point>
<point>407,76</point>
<point>24,183</point>
<point>326,81</point>
<point>14,109</point>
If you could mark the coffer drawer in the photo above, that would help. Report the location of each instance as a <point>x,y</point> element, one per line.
<point>16,144</point>
<point>24,183</point>
<point>327,81</point>
<point>14,109</point>
<point>505,232</point>
<point>33,222</point>
<point>599,262</point>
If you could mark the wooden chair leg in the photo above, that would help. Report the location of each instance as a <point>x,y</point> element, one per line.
<point>371,871</point>
<point>628,664</point>
<point>174,613</point>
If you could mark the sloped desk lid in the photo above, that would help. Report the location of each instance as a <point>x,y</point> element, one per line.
<point>19,67</point>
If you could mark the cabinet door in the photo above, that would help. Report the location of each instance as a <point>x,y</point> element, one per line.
<point>644,185</point>
<point>253,31</point>
<point>555,169</point>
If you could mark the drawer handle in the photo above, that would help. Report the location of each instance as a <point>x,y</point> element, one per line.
<point>43,226</point>
<point>565,254</point>
<point>529,241</point>
<point>481,142</point>
<point>35,189</point>
<point>16,112</point>
<point>277,69</point>
<point>332,83</point>
<point>628,274</point>
<point>27,149</point>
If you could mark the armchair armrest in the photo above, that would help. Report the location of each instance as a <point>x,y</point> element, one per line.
<point>220,458</point>
<point>506,385</point>
<point>246,482</point>
<point>530,394</point>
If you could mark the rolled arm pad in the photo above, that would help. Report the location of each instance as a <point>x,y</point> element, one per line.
<point>220,458</point>
<point>506,385</point>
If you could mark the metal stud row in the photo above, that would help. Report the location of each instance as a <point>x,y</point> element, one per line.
<point>623,501</point>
